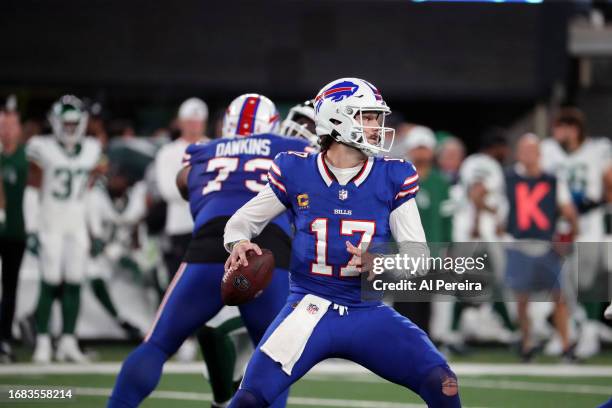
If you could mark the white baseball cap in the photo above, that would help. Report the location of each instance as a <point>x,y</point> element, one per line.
<point>193,108</point>
<point>420,136</point>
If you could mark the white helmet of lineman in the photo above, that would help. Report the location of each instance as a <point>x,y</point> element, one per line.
<point>68,120</point>
<point>300,122</point>
<point>339,107</point>
<point>250,114</point>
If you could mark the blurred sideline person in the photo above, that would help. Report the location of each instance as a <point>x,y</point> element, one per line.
<point>420,144</point>
<point>13,174</point>
<point>244,155</point>
<point>192,118</point>
<point>535,200</point>
<point>582,161</point>
<point>450,156</point>
<point>55,220</point>
<point>481,208</point>
<point>482,180</point>
<point>115,209</point>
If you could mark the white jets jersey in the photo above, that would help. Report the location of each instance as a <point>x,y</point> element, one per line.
<point>114,220</point>
<point>552,155</point>
<point>483,168</point>
<point>583,171</point>
<point>584,168</point>
<point>65,180</point>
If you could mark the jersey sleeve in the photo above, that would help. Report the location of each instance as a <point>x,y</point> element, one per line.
<point>193,153</point>
<point>277,178</point>
<point>35,150</point>
<point>405,182</point>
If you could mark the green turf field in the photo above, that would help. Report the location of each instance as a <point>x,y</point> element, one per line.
<point>483,384</point>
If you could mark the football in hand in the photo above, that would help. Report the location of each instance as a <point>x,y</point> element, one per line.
<point>247,282</point>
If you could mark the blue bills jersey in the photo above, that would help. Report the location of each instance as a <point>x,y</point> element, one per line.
<point>226,173</point>
<point>327,214</point>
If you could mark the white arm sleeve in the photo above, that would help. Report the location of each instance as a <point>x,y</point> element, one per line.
<point>563,193</point>
<point>136,208</point>
<point>407,230</point>
<point>253,217</point>
<point>405,223</point>
<point>167,166</point>
<point>31,207</point>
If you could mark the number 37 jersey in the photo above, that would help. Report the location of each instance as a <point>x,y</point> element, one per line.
<point>226,173</point>
<point>327,214</point>
<point>65,180</point>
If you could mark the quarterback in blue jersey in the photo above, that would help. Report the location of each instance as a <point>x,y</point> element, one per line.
<point>342,200</point>
<point>220,176</point>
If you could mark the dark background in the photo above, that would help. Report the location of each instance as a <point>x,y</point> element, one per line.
<point>459,67</point>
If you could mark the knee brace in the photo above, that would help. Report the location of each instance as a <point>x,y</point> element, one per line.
<point>247,399</point>
<point>440,388</point>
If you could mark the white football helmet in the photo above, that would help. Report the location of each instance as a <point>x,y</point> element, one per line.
<point>339,107</point>
<point>68,119</point>
<point>300,122</point>
<point>250,114</point>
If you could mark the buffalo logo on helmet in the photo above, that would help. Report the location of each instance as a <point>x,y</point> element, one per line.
<point>336,93</point>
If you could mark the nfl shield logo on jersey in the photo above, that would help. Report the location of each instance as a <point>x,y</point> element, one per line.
<point>312,308</point>
<point>343,194</point>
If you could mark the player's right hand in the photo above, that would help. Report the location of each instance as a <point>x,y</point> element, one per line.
<point>238,256</point>
<point>33,244</point>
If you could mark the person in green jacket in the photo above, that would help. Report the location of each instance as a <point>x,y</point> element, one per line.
<point>13,173</point>
<point>419,147</point>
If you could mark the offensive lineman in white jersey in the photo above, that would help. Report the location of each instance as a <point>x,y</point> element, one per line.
<point>582,161</point>
<point>55,220</point>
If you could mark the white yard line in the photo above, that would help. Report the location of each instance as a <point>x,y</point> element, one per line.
<point>332,367</point>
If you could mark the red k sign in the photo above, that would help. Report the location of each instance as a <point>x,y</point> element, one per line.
<point>527,205</point>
